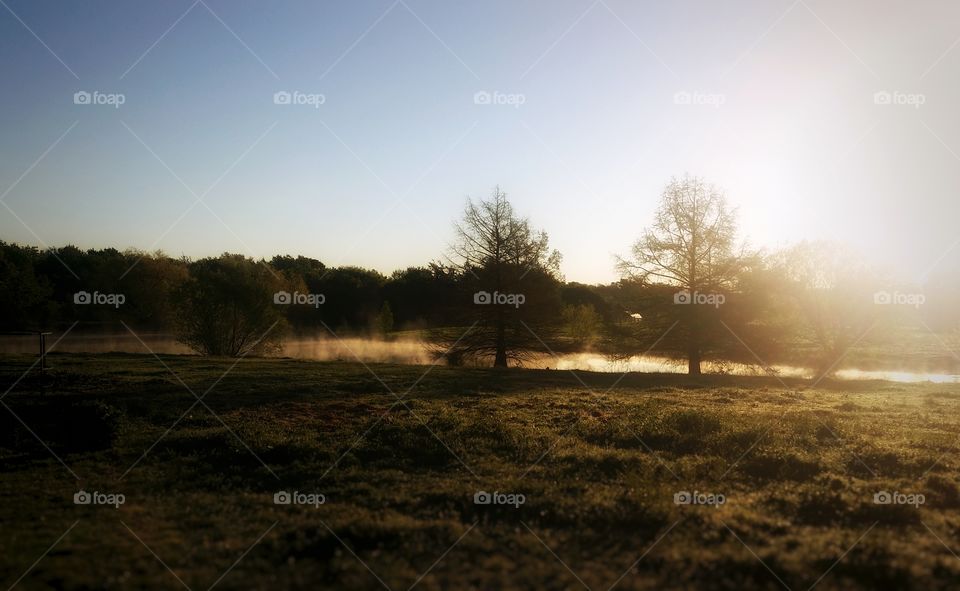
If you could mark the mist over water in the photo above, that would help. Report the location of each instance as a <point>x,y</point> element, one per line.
<point>96,343</point>
<point>412,352</point>
<point>417,352</point>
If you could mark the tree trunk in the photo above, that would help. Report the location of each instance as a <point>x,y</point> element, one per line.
<point>500,360</point>
<point>693,341</point>
<point>693,362</point>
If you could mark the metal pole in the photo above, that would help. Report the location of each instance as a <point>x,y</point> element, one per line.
<point>43,351</point>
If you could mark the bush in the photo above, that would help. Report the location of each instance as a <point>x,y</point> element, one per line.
<point>227,307</point>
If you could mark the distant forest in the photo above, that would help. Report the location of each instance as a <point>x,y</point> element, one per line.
<point>37,289</point>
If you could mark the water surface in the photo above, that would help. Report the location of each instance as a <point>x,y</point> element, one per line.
<point>416,352</point>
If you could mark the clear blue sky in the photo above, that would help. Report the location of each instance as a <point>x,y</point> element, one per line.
<point>784,118</point>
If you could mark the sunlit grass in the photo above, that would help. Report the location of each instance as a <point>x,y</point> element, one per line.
<point>598,462</point>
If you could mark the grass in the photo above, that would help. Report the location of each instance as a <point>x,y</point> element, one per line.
<point>598,461</point>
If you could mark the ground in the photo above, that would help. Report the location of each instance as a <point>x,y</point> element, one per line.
<point>598,459</point>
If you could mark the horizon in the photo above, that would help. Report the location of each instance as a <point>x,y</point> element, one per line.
<point>890,281</point>
<point>817,123</point>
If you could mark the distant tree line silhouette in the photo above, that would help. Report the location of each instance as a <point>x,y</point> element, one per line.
<point>688,290</point>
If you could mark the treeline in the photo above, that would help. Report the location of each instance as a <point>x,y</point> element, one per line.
<point>688,289</point>
<point>39,291</point>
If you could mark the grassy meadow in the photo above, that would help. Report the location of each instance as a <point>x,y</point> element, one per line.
<point>597,458</point>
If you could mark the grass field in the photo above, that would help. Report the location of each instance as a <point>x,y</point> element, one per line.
<point>598,459</point>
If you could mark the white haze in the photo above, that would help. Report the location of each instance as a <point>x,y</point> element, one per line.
<point>417,352</point>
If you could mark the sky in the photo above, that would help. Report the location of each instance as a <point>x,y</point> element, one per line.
<point>399,111</point>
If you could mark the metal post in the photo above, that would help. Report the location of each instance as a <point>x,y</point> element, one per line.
<point>43,351</point>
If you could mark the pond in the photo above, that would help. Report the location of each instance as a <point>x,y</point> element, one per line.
<point>414,352</point>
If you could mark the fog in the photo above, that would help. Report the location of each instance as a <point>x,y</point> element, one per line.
<point>416,352</point>
<point>318,348</point>
<point>411,352</point>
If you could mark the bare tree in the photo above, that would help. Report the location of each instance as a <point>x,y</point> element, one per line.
<point>491,235</point>
<point>513,275</point>
<point>690,246</point>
